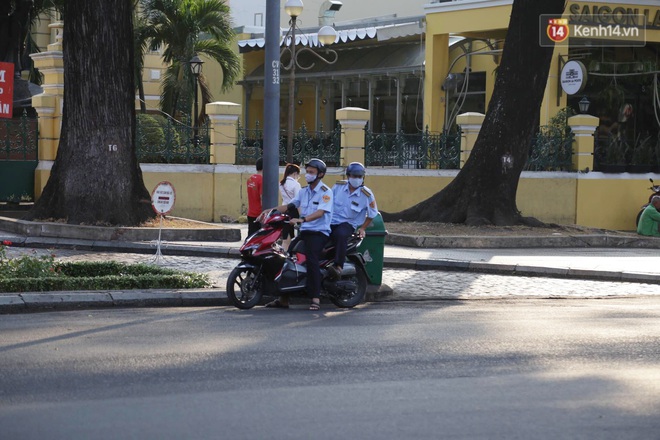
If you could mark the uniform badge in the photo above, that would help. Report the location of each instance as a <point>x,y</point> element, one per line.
<point>326,199</point>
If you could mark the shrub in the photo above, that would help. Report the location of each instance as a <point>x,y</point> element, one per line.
<point>30,273</point>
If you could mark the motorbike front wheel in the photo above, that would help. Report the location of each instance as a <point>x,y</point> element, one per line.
<point>244,287</point>
<point>352,299</point>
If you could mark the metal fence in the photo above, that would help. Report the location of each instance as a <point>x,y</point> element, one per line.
<point>551,150</point>
<point>419,151</point>
<point>325,145</point>
<point>163,140</point>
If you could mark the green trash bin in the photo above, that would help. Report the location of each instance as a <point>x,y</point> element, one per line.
<point>372,249</point>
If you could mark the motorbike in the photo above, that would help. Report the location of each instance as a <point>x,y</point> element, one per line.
<point>267,269</point>
<point>655,191</point>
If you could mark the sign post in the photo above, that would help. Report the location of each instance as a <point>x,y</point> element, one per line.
<point>162,202</point>
<point>6,90</point>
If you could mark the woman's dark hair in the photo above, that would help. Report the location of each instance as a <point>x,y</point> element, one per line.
<point>291,168</point>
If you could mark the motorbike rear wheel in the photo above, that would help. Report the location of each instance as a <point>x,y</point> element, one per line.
<point>244,287</point>
<point>352,299</point>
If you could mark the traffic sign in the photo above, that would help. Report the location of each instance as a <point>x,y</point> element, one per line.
<point>162,198</point>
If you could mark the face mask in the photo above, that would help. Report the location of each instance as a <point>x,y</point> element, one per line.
<point>355,181</point>
<point>310,177</point>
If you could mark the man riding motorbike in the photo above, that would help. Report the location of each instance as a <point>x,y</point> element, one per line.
<point>314,203</point>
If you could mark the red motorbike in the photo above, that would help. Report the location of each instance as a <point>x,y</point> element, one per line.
<point>266,269</point>
<point>655,191</point>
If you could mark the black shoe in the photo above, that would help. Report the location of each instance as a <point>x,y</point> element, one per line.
<point>335,272</point>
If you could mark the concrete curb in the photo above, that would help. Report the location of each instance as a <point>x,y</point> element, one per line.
<point>121,234</point>
<point>521,270</point>
<point>47,301</point>
<point>43,301</point>
<point>508,242</point>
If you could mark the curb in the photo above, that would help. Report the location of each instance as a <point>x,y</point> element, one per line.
<point>521,270</point>
<point>45,301</point>
<point>120,234</point>
<point>26,302</point>
<point>508,242</point>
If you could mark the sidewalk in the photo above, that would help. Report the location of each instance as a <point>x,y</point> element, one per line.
<point>631,264</point>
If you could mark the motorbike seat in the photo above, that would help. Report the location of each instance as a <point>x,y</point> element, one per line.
<point>298,246</point>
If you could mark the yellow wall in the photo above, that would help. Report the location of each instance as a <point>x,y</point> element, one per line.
<point>593,199</point>
<point>613,201</point>
<point>608,201</point>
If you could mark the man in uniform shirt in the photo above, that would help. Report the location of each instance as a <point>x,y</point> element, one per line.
<point>354,209</point>
<point>314,202</point>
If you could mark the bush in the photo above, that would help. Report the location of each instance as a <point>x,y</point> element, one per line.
<point>39,274</point>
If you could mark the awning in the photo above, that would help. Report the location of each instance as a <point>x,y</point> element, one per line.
<point>366,61</point>
<point>383,32</point>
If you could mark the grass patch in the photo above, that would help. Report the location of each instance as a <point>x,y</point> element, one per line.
<point>40,274</point>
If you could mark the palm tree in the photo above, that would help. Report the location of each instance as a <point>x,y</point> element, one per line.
<point>185,28</point>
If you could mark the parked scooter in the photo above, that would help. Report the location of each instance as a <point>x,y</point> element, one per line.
<point>655,192</point>
<point>267,269</point>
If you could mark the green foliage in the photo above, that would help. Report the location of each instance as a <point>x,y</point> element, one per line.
<point>149,130</point>
<point>552,146</point>
<point>108,282</point>
<point>30,273</point>
<point>643,151</point>
<point>617,148</point>
<point>26,266</point>
<point>183,28</point>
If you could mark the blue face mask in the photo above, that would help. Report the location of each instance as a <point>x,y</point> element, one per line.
<point>310,177</point>
<point>355,181</point>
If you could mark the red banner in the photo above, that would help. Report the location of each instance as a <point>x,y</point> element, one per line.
<point>6,89</point>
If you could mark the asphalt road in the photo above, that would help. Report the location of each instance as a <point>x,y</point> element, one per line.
<point>480,369</point>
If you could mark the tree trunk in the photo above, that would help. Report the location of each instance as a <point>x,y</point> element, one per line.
<point>96,178</point>
<point>484,192</point>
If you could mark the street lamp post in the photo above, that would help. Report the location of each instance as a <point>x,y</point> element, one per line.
<point>326,35</point>
<point>196,68</point>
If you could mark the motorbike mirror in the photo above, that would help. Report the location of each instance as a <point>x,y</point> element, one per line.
<point>651,180</point>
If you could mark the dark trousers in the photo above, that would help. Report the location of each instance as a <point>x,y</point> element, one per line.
<point>339,236</point>
<point>253,225</point>
<point>314,242</point>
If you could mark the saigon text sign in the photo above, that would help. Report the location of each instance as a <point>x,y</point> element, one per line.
<point>6,89</point>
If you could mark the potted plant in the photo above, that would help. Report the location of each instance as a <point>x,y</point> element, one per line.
<point>642,156</point>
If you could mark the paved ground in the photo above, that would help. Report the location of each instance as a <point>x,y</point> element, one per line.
<point>411,273</point>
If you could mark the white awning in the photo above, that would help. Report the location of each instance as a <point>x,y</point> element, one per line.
<point>385,32</point>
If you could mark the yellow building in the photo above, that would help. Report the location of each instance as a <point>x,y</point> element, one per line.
<point>435,70</point>
<point>486,22</point>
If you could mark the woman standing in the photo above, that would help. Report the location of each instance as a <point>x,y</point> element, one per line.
<point>289,188</point>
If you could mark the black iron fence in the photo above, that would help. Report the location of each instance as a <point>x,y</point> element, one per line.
<point>419,151</point>
<point>325,145</point>
<point>161,139</point>
<point>551,150</point>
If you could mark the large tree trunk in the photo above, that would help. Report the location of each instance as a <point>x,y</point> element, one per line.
<point>96,178</point>
<point>484,192</point>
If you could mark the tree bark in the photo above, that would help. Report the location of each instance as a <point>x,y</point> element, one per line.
<point>484,192</point>
<point>96,178</point>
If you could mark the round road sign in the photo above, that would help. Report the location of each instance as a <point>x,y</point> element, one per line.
<point>162,198</point>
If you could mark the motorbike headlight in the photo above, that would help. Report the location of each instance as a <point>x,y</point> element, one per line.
<point>248,250</point>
